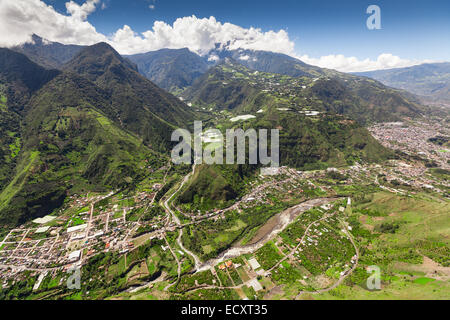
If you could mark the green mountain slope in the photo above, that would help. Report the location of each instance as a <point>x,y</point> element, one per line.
<point>93,127</point>
<point>22,76</point>
<point>215,186</point>
<point>19,79</point>
<point>232,86</point>
<point>136,103</point>
<point>9,138</point>
<point>305,143</point>
<point>69,145</point>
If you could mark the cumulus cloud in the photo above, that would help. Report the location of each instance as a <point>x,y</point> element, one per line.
<point>200,35</point>
<point>81,12</point>
<point>19,19</point>
<point>353,64</point>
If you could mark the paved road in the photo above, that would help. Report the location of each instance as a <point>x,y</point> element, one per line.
<point>166,203</point>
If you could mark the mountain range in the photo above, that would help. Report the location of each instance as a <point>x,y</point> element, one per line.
<point>429,81</point>
<point>171,69</point>
<point>46,53</point>
<point>76,119</point>
<point>175,70</point>
<point>231,85</point>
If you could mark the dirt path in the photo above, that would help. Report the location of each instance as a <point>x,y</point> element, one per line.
<point>342,278</point>
<point>302,241</point>
<point>178,263</point>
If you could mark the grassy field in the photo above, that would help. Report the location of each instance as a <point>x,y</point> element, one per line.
<point>423,224</point>
<point>413,256</point>
<point>399,289</point>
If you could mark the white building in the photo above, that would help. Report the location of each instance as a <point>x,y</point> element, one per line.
<point>254,264</point>
<point>75,256</point>
<point>76,228</point>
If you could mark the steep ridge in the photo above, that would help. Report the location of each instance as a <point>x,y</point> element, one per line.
<point>22,76</point>
<point>271,62</point>
<point>19,79</point>
<point>136,103</point>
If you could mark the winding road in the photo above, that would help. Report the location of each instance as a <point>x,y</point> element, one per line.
<point>282,219</point>
<point>166,205</point>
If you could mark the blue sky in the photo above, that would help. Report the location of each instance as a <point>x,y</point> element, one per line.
<point>328,33</point>
<point>411,29</point>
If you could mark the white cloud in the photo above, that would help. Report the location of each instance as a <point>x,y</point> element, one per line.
<point>247,58</point>
<point>353,64</point>
<point>19,19</point>
<point>152,6</point>
<point>81,12</point>
<point>200,36</point>
<point>213,58</point>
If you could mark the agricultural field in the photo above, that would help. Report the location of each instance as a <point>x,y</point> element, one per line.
<point>338,225</point>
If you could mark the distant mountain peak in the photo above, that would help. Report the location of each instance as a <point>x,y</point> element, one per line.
<point>46,53</point>
<point>430,81</point>
<point>99,50</point>
<point>39,41</point>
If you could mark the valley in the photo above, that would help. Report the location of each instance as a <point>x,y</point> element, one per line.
<point>291,258</point>
<point>87,183</point>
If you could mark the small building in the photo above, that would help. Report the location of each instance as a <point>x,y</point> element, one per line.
<point>77,228</point>
<point>42,230</point>
<point>254,264</point>
<point>222,267</point>
<point>75,256</point>
<point>255,284</point>
<point>44,220</point>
